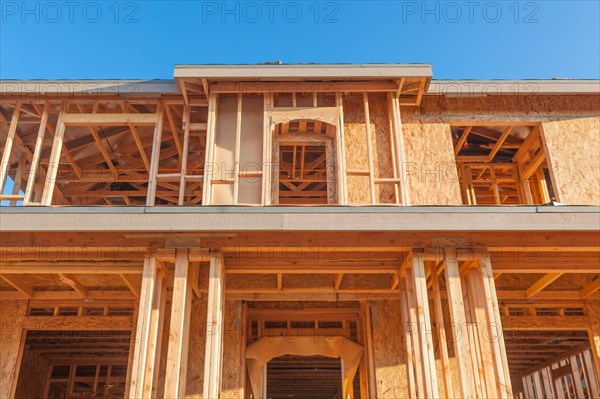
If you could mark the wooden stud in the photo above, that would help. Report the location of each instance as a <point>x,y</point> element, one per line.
<point>146,333</point>
<point>458,318</point>
<point>184,157</point>
<point>214,330</point>
<point>209,149</point>
<point>369,148</point>
<point>498,345</point>
<point>238,135</point>
<point>441,332</point>
<point>155,158</point>
<point>176,370</point>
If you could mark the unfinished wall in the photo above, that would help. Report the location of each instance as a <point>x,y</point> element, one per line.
<point>429,163</point>
<point>231,386</point>
<point>32,378</point>
<point>390,360</point>
<point>357,155</point>
<point>12,315</point>
<point>573,147</point>
<point>196,348</point>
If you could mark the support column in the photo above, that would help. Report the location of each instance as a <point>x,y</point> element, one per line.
<point>146,359</point>
<point>459,323</point>
<point>418,303</point>
<point>176,371</point>
<point>213,359</point>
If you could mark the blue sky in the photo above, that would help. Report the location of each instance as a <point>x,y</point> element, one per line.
<point>144,39</point>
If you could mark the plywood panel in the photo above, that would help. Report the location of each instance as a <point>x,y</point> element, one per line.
<point>430,165</point>
<point>12,314</point>
<point>573,147</point>
<point>390,359</point>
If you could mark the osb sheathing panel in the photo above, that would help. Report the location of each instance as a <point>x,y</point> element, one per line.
<point>196,349</point>
<point>12,314</point>
<point>390,360</point>
<point>508,105</point>
<point>430,165</point>
<point>573,147</point>
<point>357,156</point>
<point>32,378</point>
<point>231,386</point>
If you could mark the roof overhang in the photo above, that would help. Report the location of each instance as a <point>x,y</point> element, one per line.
<point>513,87</point>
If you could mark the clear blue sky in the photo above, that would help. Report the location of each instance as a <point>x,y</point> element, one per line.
<point>144,39</point>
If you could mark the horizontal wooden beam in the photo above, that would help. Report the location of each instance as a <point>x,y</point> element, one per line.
<point>296,87</point>
<point>93,295</point>
<point>109,119</point>
<point>99,267</point>
<point>540,323</point>
<point>87,323</point>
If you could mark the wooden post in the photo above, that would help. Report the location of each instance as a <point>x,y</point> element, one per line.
<point>369,148</point>
<point>214,329</point>
<point>417,286</point>
<point>176,370</point>
<point>341,153</point>
<point>155,158</point>
<point>185,151</point>
<point>459,322</point>
<point>147,344</point>
<point>12,131</point>
<point>482,335</point>
<point>209,149</point>
<point>368,326</point>
<point>35,160</point>
<point>54,161</point>
<point>441,332</point>
<point>400,150</point>
<point>408,337</point>
<point>495,324</point>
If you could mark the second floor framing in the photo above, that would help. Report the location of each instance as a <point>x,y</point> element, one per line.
<point>273,141</point>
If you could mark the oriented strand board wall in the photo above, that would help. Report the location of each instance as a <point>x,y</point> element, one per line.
<point>12,314</point>
<point>430,165</point>
<point>390,359</point>
<point>32,378</point>
<point>573,147</point>
<point>357,156</point>
<point>196,348</point>
<point>231,386</point>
